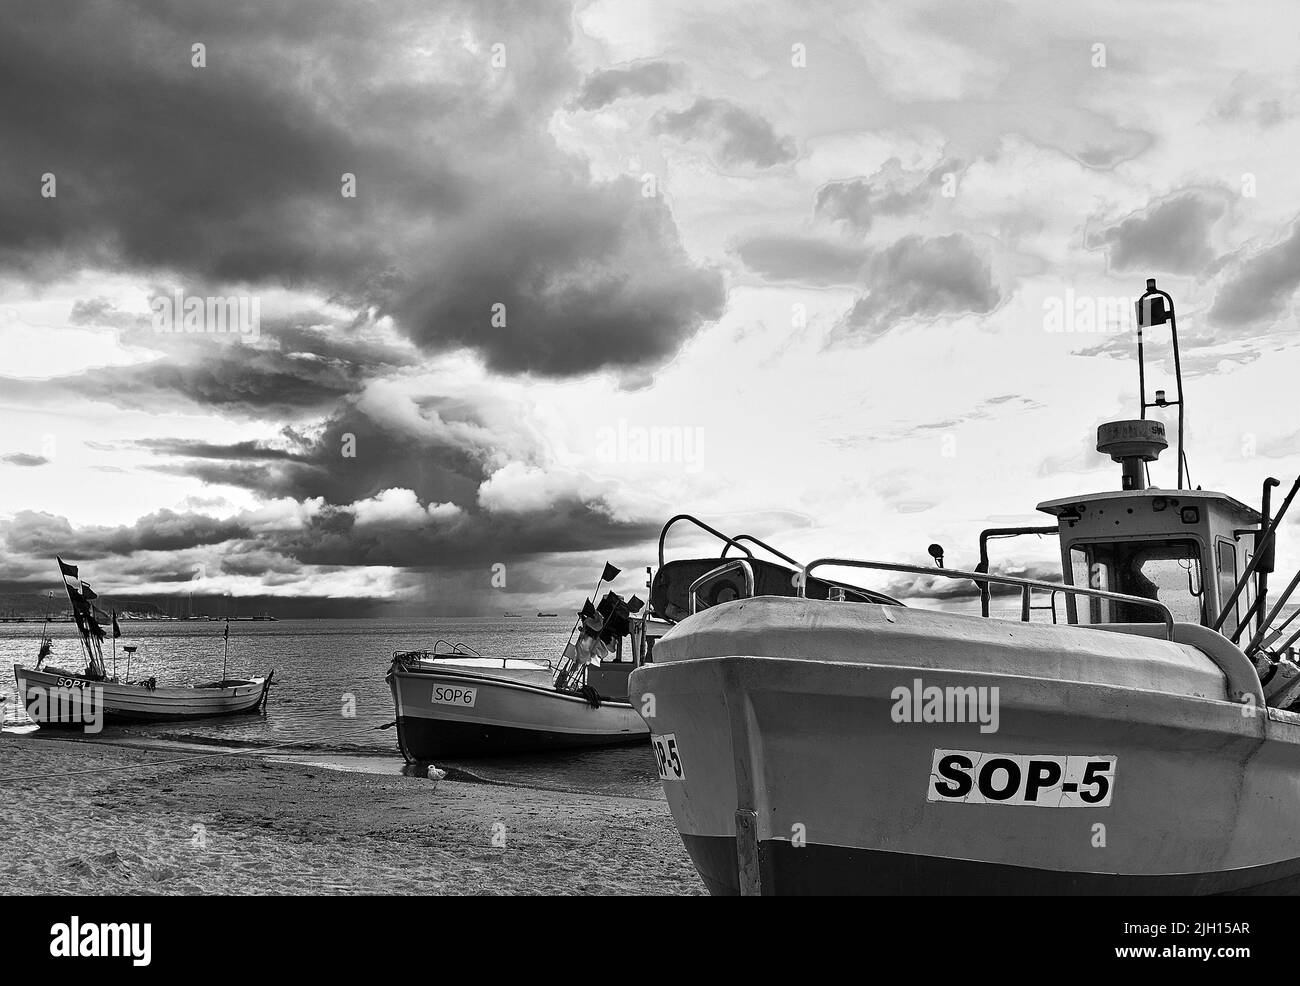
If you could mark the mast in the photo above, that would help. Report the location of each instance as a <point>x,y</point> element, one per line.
<point>79,595</point>
<point>1156,307</point>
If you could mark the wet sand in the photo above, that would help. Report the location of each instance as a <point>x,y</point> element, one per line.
<point>246,825</point>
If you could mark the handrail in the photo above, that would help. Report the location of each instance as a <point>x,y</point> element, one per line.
<point>1002,532</point>
<point>1263,548</point>
<point>703,526</point>
<point>735,563</point>
<point>1026,585</point>
<point>762,544</point>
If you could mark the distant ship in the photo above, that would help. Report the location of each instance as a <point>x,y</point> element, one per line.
<point>547,615</point>
<point>514,616</point>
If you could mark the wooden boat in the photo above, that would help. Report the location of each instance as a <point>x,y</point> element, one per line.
<point>456,703</point>
<point>89,698</point>
<point>1143,741</point>
<point>60,698</point>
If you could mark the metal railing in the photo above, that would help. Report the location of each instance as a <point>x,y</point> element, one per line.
<point>1026,586</point>
<point>727,541</point>
<point>736,564</point>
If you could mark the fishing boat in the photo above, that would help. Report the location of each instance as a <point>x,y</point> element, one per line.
<point>1131,730</point>
<point>89,697</point>
<point>453,702</point>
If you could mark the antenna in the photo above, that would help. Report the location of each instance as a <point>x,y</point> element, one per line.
<point>1156,307</point>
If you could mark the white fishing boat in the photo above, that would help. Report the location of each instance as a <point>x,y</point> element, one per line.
<point>90,697</point>
<point>453,702</point>
<point>1139,737</point>
<point>63,698</point>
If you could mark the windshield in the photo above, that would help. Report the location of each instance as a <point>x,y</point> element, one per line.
<point>1167,571</point>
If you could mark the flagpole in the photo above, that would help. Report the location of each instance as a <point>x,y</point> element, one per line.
<point>225,660</point>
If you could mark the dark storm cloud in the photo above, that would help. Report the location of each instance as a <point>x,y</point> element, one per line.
<point>586,277</point>
<point>335,538</point>
<point>889,192</point>
<point>231,378</point>
<point>300,364</point>
<point>736,136</point>
<point>39,534</point>
<point>436,469</point>
<point>645,79</point>
<point>1172,235</point>
<point>1259,287</point>
<point>807,259</point>
<point>231,174</point>
<point>237,451</point>
<point>24,459</point>
<point>926,277</point>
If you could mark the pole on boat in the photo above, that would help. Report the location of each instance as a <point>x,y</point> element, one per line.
<point>1156,307</point>
<point>1263,549</point>
<point>226,659</point>
<point>130,650</point>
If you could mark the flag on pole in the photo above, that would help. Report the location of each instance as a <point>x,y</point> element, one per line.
<point>117,630</point>
<point>611,573</point>
<point>634,604</point>
<point>227,633</point>
<point>69,573</point>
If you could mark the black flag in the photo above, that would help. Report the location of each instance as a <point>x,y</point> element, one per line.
<point>117,630</point>
<point>587,609</point>
<point>69,573</point>
<point>611,573</point>
<point>634,604</point>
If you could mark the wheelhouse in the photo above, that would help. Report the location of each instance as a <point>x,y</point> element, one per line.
<point>1185,548</point>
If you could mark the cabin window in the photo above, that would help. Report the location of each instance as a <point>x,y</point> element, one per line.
<point>1167,571</point>
<point>1227,583</point>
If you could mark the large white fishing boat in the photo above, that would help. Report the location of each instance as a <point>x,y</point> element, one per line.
<point>451,701</point>
<point>90,696</point>
<point>1136,738</point>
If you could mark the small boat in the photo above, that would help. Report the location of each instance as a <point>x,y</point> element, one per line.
<point>57,698</point>
<point>90,697</point>
<point>1142,736</point>
<point>453,702</point>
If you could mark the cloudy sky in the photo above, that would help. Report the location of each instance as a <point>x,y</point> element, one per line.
<point>857,275</point>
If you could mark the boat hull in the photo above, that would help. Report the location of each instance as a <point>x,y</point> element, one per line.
<point>468,712</point>
<point>72,701</point>
<point>799,776</point>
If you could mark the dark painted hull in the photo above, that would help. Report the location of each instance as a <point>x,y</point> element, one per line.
<point>495,713</point>
<point>835,870</point>
<point>432,739</point>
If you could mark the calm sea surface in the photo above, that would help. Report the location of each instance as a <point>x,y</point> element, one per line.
<point>321,666</point>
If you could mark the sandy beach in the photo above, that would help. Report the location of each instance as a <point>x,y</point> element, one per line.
<point>245,825</point>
